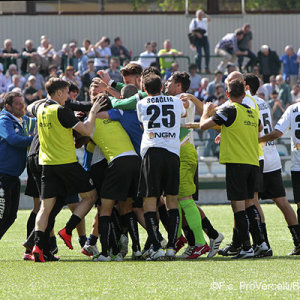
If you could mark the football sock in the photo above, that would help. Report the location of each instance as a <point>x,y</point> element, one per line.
<point>163,215</point>
<point>193,219</point>
<point>265,234</point>
<point>119,224</point>
<point>295,231</point>
<point>255,225</point>
<point>173,222</point>
<point>132,226</point>
<point>72,223</point>
<point>242,226</point>
<point>189,235</point>
<point>209,229</point>
<point>39,239</point>
<point>151,227</point>
<point>82,240</point>
<point>30,223</point>
<point>104,228</point>
<point>92,240</point>
<point>113,239</point>
<point>236,242</point>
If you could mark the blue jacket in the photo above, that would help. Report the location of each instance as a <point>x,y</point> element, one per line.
<point>14,140</point>
<point>290,65</point>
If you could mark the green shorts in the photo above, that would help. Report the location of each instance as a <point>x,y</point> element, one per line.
<point>188,166</point>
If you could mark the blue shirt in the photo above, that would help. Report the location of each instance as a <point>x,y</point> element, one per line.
<point>290,65</point>
<point>14,141</point>
<point>82,64</point>
<point>131,124</point>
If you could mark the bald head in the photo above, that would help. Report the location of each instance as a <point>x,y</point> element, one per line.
<point>235,76</point>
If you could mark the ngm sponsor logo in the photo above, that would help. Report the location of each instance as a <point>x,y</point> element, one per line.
<point>164,135</point>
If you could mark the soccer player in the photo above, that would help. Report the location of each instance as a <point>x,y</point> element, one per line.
<point>160,116</point>
<point>239,151</point>
<point>61,173</point>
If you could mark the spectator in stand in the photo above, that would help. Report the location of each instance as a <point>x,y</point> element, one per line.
<point>87,78</point>
<point>298,60</point>
<point>212,84</point>
<point>219,90</point>
<point>245,44</point>
<point>82,61</point>
<point>270,87</point>
<point>31,94</point>
<point>3,83</point>
<point>12,70</point>
<point>52,72</point>
<point>268,61</point>
<point>195,78</point>
<point>295,93</point>
<point>199,27</point>
<point>147,57</point>
<point>227,48</point>
<point>72,59</point>
<point>29,55</point>
<point>39,79</point>
<point>87,48</point>
<point>174,68</point>
<point>113,70</point>
<point>118,50</point>
<point>48,55</point>
<point>290,65</point>
<point>16,83</point>
<point>201,94</point>
<point>229,69</point>
<point>284,91</point>
<point>154,50</point>
<point>166,62</point>
<point>103,53</point>
<point>73,92</point>
<point>69,75</point>
<point>276,106</point>
<point>9,54</point>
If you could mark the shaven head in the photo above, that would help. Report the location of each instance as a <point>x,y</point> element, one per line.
<point>235,76</point>
<point>128,91</point>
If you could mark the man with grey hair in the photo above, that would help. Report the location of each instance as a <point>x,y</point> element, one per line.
<point>290,65</point>
<point>268,62</point>
<point>40,82</point>
<point>29,55</point>
<point>9,54</point>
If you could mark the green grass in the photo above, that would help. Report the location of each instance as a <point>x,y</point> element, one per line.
<point>75,276</point>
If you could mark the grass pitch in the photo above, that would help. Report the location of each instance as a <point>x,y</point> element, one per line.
<point>75,276</point>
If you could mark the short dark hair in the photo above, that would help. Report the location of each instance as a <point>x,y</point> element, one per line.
<point>236,89</point>
<point>132,69</point>
<point>192,67</point>
<point>73,88</point>
<point>253,82</point>
<point>107,40</point>
<point>117,39</point>
<point>9,97</point>
<point>90,61</point>
<point>239,31</point>
<point>55,84</point>
<point>87,41</point>
<point>151,70</point>
<point>104,99</point>
<point>152,84</point>
<point>274,93</point>
<point>183,78</point>
<point>128,91</point>
<point>218,72</point>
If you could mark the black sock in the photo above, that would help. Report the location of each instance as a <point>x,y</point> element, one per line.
<point>242,226</point>
<point>173,223</point>
<point>72,223</point>
<point>189,235</point>
<point>30,239</point>
<point>265,234</point>
<point>104,227</point>
<point>295,231</point>
<point>151,226</point>
<point>147,244</point>
<point>82,240</point>
<point>113,240</point>
<point>255,225</point>
<point>163,215</point>
<point>298,214</point>
<point>209,229</point>
<point>52,242</point>
<point>131,224</point>
<point>31,223</point>
<point>92,240</point>
<point>39,239</point>
<point>236,242</point>
<point>116,219</point>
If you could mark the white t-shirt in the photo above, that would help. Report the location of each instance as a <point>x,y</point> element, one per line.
<point>195,23</point>
<point>146,61</point>
<point>102,62</point>
<point>97,155</point>
<point>160,116</point>
<point>291,119</point>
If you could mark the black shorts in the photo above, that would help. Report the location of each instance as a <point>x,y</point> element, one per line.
<point>121,178</point>
<point>240,181</point>
<point>32,190</point>
<point>98,172</point>
<point>259,179</point>
<point>72,199</point>
<point>159,173</point>
<point>64,180</point>
<point>273,185</point>
<point>296,185</point>
<point>196,181</point>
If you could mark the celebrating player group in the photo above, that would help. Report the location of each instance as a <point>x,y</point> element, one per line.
<point>140,167</point>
